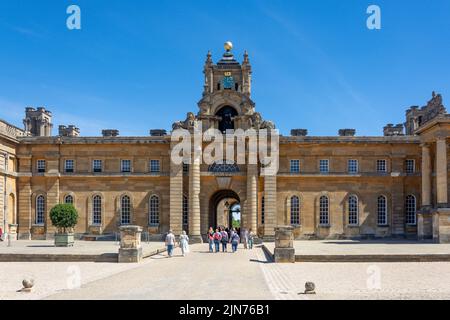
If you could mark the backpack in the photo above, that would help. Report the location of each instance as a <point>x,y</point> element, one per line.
<point>224,236</point>
<point>217,236</point>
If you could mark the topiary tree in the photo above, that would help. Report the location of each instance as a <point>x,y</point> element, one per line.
<point>64,216</point>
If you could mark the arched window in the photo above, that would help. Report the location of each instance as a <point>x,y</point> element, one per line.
<point>382,210</point>
<point>295,210</point>
<point>262,210</point>
<point>40,210</point>
<point>410,209</point>
<point>353,210</point>
<point>125,210</point>
<point>185,211</point>
<point>97,210</point>
<point>68,199</point>
<point>153,218</point>
<point>324,217</point>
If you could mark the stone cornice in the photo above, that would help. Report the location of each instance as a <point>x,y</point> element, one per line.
<point>93,140</point>
<point>359,140</point>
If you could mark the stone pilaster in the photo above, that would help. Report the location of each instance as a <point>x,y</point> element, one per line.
<point>252,197</point>
<point>426,176</point>
<point>270,198</point>
<point>25,219</point>
<point>441,172</point>
<point>176,198</point>
<point>52,200</point>
<point>194,197</point>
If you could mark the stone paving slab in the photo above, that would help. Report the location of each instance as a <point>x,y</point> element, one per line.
<point>87,251</point>
<point>367,251</point>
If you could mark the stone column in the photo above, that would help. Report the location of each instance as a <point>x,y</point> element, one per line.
<point>176,198</point>
<point>270,202</point>
<point>284,251</point>
<point>426,176</point>
<point>130,250</point>
<point>194,197</point>
<point>252,197</point>
<point>441,172</point>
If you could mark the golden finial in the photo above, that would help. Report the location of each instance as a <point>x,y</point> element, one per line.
<point>228,46</point>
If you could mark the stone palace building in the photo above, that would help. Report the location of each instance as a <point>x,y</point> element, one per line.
<point>344,186</point>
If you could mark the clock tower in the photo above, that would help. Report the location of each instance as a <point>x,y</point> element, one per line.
<point>226,102</point>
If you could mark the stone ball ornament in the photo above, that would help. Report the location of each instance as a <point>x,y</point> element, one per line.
<point>27,284</point>
<point>310,288</point>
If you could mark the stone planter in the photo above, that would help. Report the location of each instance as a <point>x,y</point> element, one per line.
<point>64,239</point>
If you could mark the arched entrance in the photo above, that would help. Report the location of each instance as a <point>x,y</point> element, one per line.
<point>224,207</point>
<point>227,114</point>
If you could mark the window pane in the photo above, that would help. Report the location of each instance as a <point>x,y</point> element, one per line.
<point>69,166</point>
<point>40,210</point>
<point>295,166</point>
<point>324,213</point>
<point>262,210</point>
<point>126,165</point>
<point>97,165</point>
<point>68,199</point>
<point>41,166</point>
<point>352,166</point>
<point>382,210</point>
<point>381,166</point>
<point>97,210</point>
<point>295,210</point>
<point>154,166</point>
<point>353,210</point>
<point>154,211</point>
<point>410,166</point>
<point>126,210</point>
<point>410,208</point>
<point>323,164</point>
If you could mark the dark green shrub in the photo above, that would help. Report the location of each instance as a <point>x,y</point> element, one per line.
<point>64,216</point>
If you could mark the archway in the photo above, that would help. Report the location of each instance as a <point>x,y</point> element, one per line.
<point>227,114</point>
<point>224,205</point>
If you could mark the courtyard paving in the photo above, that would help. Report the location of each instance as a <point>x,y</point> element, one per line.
<point>244,275</point>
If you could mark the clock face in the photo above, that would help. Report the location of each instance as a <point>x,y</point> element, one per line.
<point>228,82</point>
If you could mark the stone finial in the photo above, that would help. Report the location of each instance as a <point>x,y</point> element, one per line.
<point>110,132</point>
<point>158,132</point>
<point>347,132</point>
<point>68,131</point>
<point>299,132</point>
<point>390,130</point>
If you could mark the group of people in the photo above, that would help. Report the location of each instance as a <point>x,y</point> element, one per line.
<point>224,236</point>
<point>221,236</point>
<point>171,242</point>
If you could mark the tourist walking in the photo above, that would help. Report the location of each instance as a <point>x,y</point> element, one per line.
<point>210,236</point>
<point>244,236</point>
<point>251,235</point>
<point>184,243</point>
<point>224,240</point>
<point>235,241</point>
<point>170,243</point>
<point>217,237</point>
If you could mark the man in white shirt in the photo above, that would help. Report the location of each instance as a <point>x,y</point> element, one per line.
<point>170,243</point>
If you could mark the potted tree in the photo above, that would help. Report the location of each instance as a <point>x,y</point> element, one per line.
<point>64,217</point>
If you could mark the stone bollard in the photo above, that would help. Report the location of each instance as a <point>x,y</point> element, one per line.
<point>284,245</point>
<point>130,244</point>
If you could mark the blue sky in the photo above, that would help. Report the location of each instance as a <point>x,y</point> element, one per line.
<point>137,65</point>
